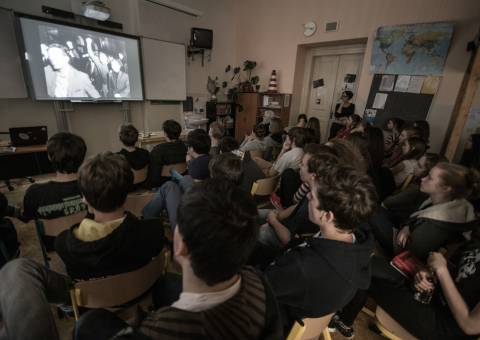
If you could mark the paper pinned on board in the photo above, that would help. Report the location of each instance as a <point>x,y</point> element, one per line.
<point>387,82</point>
<point>415,85</point>
<point>402,83</point>
<point>380,99</point>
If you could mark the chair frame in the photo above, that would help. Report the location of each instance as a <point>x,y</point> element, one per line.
<point>180,167</point>
<point>55,226</point>
<point>118,290</point>
<point>298,331</point>
<point>264,187</point>
<point>140,175</point>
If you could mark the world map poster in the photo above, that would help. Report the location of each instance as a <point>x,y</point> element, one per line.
<point>417,49</point>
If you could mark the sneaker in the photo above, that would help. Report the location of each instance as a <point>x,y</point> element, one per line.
<point>336,324</point>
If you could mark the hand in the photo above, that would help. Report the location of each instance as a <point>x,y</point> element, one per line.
<point>403,236</point>
<point>423,281</point>
<point>287,145</point>
<point>272,216</point>
<point>437,262</point>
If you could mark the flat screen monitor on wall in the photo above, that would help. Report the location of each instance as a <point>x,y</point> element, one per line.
<point>74,63</point>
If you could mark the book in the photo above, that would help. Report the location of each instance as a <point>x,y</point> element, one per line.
<point>407,264</point>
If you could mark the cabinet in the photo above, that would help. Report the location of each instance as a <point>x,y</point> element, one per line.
<point>254,107</point>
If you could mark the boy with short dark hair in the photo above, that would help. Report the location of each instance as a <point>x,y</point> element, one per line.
<point>171,152</point>
<point>114,241</point>
<point>138,158</point>
<point>322,275</point>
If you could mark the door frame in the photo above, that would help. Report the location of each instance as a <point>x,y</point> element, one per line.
<point>313,52</point>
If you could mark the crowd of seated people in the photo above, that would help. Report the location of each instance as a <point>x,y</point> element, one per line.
<point>342,211</point>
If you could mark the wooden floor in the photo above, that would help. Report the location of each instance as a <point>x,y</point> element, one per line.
<point>30,248</point>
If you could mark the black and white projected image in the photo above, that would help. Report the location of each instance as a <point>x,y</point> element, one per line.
<point>88,65</point>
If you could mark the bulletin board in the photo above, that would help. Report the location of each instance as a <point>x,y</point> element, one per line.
<point>405,105</point>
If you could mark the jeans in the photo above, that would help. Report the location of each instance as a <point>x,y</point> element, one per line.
<point>167,197</point>
<point>26,289</point>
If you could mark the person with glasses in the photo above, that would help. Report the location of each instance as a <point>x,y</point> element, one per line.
<point>343,110</point>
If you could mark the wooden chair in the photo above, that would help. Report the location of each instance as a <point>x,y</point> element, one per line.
<point>311,329</point>
<point>390,328</point>
<point>265,187</point>
<point>117,290</point>
<point>406,182</point>
<point>180,167</point>
<point>55,226</point>
<point>135,202</point>
<point>140,175</point>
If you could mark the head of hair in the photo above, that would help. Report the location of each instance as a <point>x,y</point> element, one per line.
<point>66,152</point>
<point>359,142</point>
<point>314,124</point>
<point>228,144</point>
<point>60,47</point>
<point>413,131</point>
<point>276,125</point>
<point>302,116</point>
<point>105,180</point>
<point>464,182</point>
<point>218,223</point>
<point>217,130</point>
<point>199,141</point>
<point>349,94</point>
<point>375,142</point>
<point>348,153</point>
<point>397,123</point>
<point>298,136</point>
<point>259,131</point>
<point>321,162</point>
<point>172,129</point>
<point>348,193</point>
<point>128,134</point>
<point>226,165</point>
<point>431,159</point>
<point>417,148</point>
<point>356,119</point>
<point>424,127</point>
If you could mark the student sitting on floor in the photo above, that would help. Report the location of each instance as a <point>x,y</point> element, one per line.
<point>219,298</point>
<point>322,275</point>
<point>137,158</point>
<point>60,196</point>
<point>442,218</point>
<point>171,152</point>
<point>114,241</point>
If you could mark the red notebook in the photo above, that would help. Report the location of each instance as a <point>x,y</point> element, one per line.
<point>407,264</point>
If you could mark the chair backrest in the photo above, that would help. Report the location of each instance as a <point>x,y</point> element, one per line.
<point>265,186</point>
<point>135,202</point>
<point>311,329</point>
<point>140,175</point>
<point>390,328</point>
<point>116,290</point>
<point>55,226</point>
<point>180,167</point>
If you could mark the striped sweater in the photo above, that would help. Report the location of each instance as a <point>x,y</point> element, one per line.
<point>241,317</point>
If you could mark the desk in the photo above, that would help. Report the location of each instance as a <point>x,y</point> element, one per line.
<point>25,161</point>
<point>157,138</point>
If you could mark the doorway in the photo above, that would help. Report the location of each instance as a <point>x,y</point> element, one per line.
<point>328,72</point>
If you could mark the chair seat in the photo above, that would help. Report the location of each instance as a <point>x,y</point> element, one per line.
<point>390,328</point>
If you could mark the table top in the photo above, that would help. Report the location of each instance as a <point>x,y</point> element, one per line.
<point>24,149</point>
<point>157,137</point>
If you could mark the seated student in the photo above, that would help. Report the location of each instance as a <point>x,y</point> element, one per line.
<point>453,314</point>
<point>228,166</point>
<point>216,132</point>
<point>255,140</point>
<point>352,124</point>
<point>442,218</point>
<point>220,299</point>
<point>412,150</point>
<point>274,141</point>
<point>60,196</point>
<point>250,169</point>
<point>137,158</point>
<point>403,203</point>
<point>169,194</point>
<point>394,126</point>
<point>313,125</point>
<point>9,246</point>
<point>322,275</point>
<point>290,156</point>
<point>171,152</point>
<point>396,155</point>
<point>114,241</point>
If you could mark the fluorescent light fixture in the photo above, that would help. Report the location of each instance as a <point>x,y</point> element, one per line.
<point>178,7</point>
<point>96,10</point>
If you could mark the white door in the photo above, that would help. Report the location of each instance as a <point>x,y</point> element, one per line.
<point>331,67</point>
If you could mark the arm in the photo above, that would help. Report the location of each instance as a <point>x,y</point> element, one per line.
<point>469,321</point>
<point>301,192</point>
<point>285,213</point>
<point>282,232</point>
<point>125,90</point>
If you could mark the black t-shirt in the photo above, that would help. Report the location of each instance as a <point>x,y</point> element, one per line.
<point>52,199</point>
<point>137,159</point>
<point>164,154</point>
<point>345,112</point>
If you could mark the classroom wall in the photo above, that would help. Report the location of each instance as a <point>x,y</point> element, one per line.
<point>270,31</point>
<point>98,123</point>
